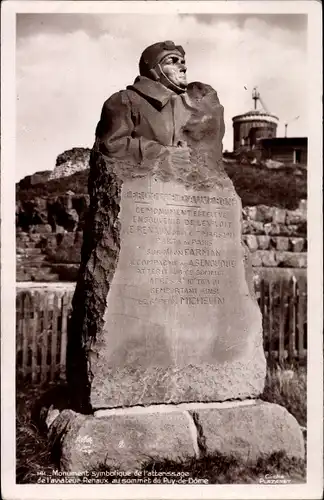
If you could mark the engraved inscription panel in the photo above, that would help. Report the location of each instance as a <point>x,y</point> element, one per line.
<point>182,266</point>
<point>180,270</point>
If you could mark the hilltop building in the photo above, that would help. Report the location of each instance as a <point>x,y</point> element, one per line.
<point>288,150</point>
<point>255,132</point>
<point>254,125</point>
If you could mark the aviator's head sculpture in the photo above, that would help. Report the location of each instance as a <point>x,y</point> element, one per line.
<point>164,62</point>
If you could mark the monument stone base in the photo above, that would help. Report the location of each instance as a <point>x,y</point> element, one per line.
<point>127,439</point>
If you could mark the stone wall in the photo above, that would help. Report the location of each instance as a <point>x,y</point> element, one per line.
<point>275,236</point>
<point>50,232</point>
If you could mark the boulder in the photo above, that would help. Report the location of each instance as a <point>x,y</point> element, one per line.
<point>70,162</point>
<point>123,442</point>
<point>233,432</point>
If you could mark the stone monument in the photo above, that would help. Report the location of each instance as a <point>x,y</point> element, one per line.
<point>165,339</point>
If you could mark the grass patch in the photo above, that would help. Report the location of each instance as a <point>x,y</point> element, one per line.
<point>211,469</point>
<point>220,469</point>
<point>288,387</point>
<point>33,454</point>
<point>258,185</point>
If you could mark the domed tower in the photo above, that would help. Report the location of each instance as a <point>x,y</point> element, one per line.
<point>253,125</point>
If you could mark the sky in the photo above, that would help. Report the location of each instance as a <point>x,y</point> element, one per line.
<point>67,65</point>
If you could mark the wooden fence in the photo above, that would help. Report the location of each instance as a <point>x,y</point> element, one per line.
<point>41,325</point>
<point>41,334</point>
<point>283,305</point>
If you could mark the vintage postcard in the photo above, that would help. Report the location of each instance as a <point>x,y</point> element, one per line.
<point>161,250</point>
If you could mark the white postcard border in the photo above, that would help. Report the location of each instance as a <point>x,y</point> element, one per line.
<point>313,487</point>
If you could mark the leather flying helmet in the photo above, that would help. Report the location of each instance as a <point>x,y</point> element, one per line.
<point>153,54</point>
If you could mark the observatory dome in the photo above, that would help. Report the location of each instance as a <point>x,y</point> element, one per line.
<point>253,125</point>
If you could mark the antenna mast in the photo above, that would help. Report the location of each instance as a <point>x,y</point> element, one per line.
<point>255,96</point>
<point>287,123</point>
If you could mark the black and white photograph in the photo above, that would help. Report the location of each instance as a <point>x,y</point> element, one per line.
<point>161,250</point>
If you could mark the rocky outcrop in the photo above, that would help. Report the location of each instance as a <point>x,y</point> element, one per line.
<point>71,161</point>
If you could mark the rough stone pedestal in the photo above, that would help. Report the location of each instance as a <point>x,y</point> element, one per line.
<point>129,438</point>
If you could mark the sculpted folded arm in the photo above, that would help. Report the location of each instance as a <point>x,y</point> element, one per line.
<point>116,133</point>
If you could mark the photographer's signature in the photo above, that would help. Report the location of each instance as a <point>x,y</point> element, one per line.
<point>274,479</point>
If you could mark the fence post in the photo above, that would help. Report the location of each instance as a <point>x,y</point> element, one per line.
<point>301,312</point>
<point>19,326</point>
<point>292,320</point>
<point>262,309</point>
<point>282,320</point>
<point>35,300</point>
<point>65,313</point>
<point>44,337</point>
<point>25,332</point>
<point>271,356</point>
<point>54,337</point>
